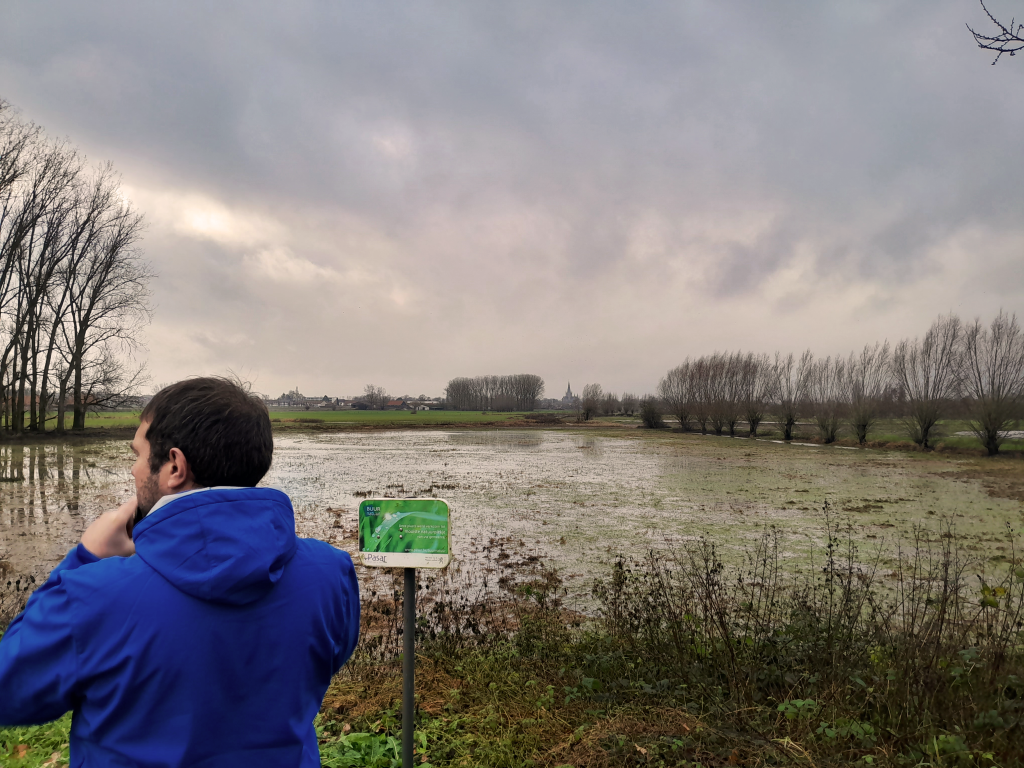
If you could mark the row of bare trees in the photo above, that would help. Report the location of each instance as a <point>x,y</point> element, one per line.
<point>515,392</point>
<point>594,401</point>
<point>73,285</point>
<point>976,367</point>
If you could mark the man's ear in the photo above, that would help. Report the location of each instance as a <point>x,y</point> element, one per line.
<point>180,477</point>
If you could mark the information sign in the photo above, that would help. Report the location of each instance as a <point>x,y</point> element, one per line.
<point>404,533</point>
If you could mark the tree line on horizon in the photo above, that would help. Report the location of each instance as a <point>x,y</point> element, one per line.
<point>972,368</point>
<point>73,284</point>
<point>519,392</point>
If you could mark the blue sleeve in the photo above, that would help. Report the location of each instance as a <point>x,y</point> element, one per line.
<point>38,662</point>
<point>348,632</point>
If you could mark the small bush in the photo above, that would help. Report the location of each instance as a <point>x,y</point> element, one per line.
<point>650,413</point>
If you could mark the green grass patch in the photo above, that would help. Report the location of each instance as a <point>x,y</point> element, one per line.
<point>387,418</point>
<point>33,746</point>
<point>314,418</point>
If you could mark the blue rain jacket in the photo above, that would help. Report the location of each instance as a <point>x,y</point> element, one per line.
<point>212,646</point>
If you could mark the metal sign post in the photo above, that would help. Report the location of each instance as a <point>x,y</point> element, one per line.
<point>408,667</point>
<point>408,534</point>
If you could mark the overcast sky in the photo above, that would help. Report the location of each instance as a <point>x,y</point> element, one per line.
<point>398,193</point>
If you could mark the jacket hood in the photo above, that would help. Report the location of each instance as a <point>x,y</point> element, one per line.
<point>222,545</point>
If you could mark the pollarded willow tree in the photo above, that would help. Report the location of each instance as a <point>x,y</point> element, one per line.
<point>992,377</point>
<point>977,367</point>
<point>867,377</point>
<point>702,391</point>
<point>827,395</point>
<point>629,403</point>
<point>676,391</point>
<point>927,371</point>
<point>73,283</point>
<point>791,379</point>
<point>590,401</point>
<point>757,388</point>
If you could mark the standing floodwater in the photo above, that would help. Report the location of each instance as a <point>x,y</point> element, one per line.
<point>574,498</point>
<point>49,492</point>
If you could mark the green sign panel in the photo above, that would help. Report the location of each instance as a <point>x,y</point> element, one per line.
<point>404,533</point>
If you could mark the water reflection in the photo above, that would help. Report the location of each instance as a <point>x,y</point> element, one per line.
<point>12,463</point>
<point>49,492</point>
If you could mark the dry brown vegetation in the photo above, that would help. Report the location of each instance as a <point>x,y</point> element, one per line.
<point>687,661</point>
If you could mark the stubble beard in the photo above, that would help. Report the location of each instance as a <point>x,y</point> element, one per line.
<point>148,494</point>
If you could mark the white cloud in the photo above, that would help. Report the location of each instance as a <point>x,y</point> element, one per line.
<point>281,265</point>
<point>199,216</point>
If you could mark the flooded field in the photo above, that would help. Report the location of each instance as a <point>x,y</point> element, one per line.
<point>574,498</point>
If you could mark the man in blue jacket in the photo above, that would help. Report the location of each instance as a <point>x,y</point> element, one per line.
<point>207,636</point>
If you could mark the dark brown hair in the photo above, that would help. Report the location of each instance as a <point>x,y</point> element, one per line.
<point>223,431</point>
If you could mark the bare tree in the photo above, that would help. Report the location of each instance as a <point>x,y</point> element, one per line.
<point>928,372</point>
<point>109,297</point>
<point>375,397</point>
<point>630,403</point>
<point>1009,39</point>
<point>590,402</point>
<point>867,379</point>
<point>722,391</point>
<point>992,376</point>
<point>757,383</point>
<point>110,382</point>
<point>827,394</point>
<point>675,392</point>
<point>488,387</point>
<point>702,391</point>
<point>511,392</point>
<point>460,394</point>
<point>31,248</point>
<point>73,286</point>
<point>527,389</point>
<point>791,388</point>
<point>610,405</point>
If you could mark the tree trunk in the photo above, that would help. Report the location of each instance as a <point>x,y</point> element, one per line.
<point>19,400</point>
<point>78,421</point>
<point>62,400</point>
<point>41,406</point>
<point>33,400</point>
<point>44,395</point>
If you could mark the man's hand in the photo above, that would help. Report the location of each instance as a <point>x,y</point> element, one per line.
<point>108,536</point>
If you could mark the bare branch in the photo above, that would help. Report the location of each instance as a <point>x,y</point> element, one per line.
<point>1009,40</point>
